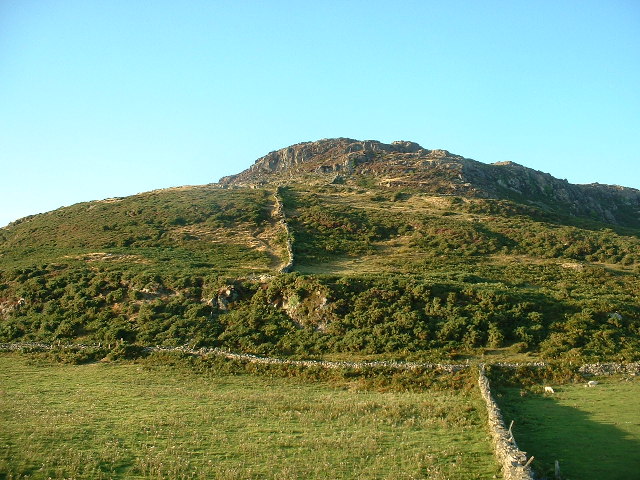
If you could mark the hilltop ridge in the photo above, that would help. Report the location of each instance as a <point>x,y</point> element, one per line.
<point>408,165</point>
<point>344,156</point>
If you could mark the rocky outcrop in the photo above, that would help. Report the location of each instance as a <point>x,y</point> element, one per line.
<point>9,306</point>
<point>404,164</point>
<point>323,157</point>
<point>609,203</point>
<point>329,157</point>
<point>226,296</point>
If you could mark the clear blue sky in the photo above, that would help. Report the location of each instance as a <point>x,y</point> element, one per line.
<point>112,98</point>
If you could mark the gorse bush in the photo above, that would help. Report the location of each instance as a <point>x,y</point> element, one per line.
<point>296,315</point>
<point>422,274</point>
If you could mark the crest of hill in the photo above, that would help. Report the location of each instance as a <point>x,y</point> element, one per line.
<point>407,165</point>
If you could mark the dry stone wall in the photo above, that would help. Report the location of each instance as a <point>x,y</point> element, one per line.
<point>602,369</point>
<point>248,357</point>
<point>449,368</point>
<point>513,460</point>
<point>279,213</point>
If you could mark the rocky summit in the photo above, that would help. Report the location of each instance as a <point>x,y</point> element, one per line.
<point>407,165</point>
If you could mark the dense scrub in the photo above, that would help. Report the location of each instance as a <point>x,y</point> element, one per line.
<point>429,275</point>
<point>302,315</point>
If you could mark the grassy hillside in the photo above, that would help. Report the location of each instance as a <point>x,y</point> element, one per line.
<point>186,230</point>
<point>378,271</point>
<point>63,421</point>
<point>411,229</point>
<point>574,424</point>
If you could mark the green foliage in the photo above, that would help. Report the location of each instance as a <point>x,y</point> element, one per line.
<point>553,373</point>
<point>326,226</point>
<point>403,274</point>
<point>126,351</point>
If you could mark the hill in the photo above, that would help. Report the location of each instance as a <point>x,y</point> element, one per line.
<point>389,250</point>
<point>409,166</point>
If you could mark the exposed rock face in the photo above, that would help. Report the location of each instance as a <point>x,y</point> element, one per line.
<point>226,296</point>
<point>323,157</point>
<point>608,203</point>
<point>405,164</point>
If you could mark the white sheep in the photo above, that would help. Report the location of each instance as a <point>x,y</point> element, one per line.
<point>549,390</point>
<point>591,383</point>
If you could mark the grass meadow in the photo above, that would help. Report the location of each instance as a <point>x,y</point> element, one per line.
<point>127,420</point>
<point>594,433</point>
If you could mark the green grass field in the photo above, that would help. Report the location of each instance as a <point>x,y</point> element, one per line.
<point>118,420</point>
<point>593,432</point>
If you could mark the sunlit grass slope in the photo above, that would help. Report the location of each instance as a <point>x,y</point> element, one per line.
<point>104,421</point>
<point>181,230</point>
<point>346,230</point>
